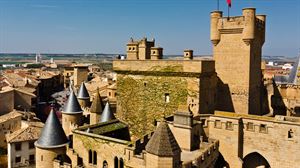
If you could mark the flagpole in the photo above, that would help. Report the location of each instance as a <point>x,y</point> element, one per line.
<point>228,12</point>
<point>218,4</point>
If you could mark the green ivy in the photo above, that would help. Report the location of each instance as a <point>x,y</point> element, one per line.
<point>142,100</point>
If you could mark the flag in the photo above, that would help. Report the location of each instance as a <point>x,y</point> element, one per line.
<point>229,3</point>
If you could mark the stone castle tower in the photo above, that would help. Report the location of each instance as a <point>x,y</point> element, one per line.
<point>80,74</point>
<point>71,114</point>
<point>237,49</point>
<point>139,49</point>
<point>52,142</point>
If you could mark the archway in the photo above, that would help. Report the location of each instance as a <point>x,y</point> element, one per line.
<point>255,160</point>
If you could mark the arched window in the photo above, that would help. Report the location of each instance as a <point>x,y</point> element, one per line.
<point>105,164</point>
<point>121,163</point>
<point>95,158</point>
<point>90,156</point>
<point>116,162</point>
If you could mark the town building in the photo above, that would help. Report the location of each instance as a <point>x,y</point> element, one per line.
<point>20,146</point>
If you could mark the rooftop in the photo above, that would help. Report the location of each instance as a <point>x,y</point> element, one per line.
<point>10,115</point>
<point>83,93</point>
<point>113,130</point>
<point>163,142</point>
<point>52,134</point>
<point>29,133</point>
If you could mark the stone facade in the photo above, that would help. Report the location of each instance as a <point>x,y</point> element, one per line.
<point>8,124</point>
<point>6,101</point>
<point>248,140</point>
<point>80,75</point>
<point>150,89</point>
<point>45,157</point>
<point>237,45</point>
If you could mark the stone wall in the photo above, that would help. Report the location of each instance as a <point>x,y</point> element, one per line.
<point>6,101</point>
<point>148,90</point>
<point>272,139</point>
<point>106,150</point>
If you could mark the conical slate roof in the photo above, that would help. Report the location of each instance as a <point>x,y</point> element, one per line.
<point>163,142</point>
<point>72,106</point>
<point>83,93</point>
<point>52,135</point>
<point>107,114</point>
<point>97,104</point>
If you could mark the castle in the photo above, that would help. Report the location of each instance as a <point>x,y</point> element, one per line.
<point>178,113</point>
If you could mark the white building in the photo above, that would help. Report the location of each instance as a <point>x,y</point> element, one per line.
<point>20,146</point>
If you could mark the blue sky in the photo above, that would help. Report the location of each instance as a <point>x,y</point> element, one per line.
<point>93,26</point>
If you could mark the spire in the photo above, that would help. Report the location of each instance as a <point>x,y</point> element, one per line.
<point>97,104</point>
<point>107,114</point>
<point>163,142</point>
<point>72,106</point>
<point>83,93</point>
<point>52,135</point>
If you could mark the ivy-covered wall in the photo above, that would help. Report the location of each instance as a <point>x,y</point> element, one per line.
<point>141,99</point>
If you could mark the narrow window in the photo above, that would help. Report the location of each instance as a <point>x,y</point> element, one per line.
<point>31,159</point>
<point>42,158</point>
<point>263,128</point>
<point>121,163</point>
<point>18,146</point>
<point>229,125</point>
<point>290,134</point>
<point>31,145</point>
<point>18,159</point>
<point>109,93</point>
<point>105,164</point>
<point>116,162</point>
<point>95,158</point>
<point>250,126</point>
<point>167,97</point>
<point>90,156</point>
<point>218,124</point>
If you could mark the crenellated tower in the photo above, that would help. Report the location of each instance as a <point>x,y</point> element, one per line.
<point>237,49</point>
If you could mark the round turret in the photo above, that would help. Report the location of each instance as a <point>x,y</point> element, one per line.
<point>51,143</point>
<point>71,114</point>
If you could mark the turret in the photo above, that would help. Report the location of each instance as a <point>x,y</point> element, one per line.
<point>51,143</point>
<point>214,32</point>
<point>83,96</point>
<point>156,53</point>
<point>249,25</point>
<point>96,109</point>
<point>132,50</point>
<point>72,114</point>
<point>107,114</point>
<point>188,54</point>
<point>162,150</point>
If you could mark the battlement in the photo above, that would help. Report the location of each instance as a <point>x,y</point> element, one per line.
<point>140,144</point>
<point>205,157</point>
<point>248,25</point>
<point>164,66</point>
